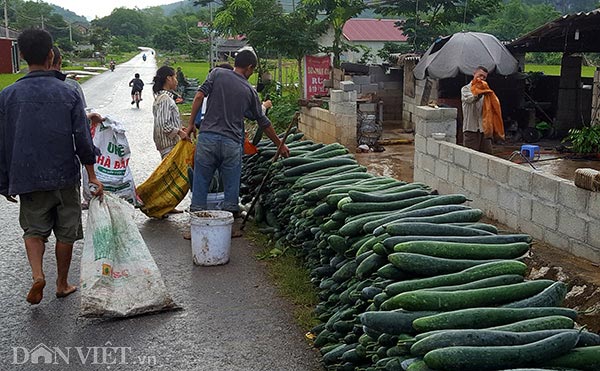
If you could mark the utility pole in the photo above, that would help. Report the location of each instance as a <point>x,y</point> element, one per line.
<point>70,32</point>
<point>42,15</point>
<point>5,19</point>
<point>210,37</point>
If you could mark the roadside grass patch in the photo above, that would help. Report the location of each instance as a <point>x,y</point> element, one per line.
<point>290,276</point>
<point>9,78</point>
<point>554,70</point>
<point>193,70</point>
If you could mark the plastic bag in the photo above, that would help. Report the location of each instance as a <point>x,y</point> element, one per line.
<point>119,277</point>
<point>169,183</point>
<point>112,165</point>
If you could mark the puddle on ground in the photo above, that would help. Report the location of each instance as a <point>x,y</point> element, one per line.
<point>396,161</point>
<point>565,167</point>
<point>550,161</point>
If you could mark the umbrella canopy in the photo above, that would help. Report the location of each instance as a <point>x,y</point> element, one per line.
<point>464,52</point>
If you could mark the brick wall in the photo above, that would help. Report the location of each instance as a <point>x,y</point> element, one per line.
<point>549,208</point>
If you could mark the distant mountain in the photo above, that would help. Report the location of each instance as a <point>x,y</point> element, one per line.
<point>566,6</point>
<point>288,7</point>
<point>169,9</point>
<point>69,16</point>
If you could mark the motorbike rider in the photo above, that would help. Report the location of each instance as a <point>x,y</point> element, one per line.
<point>137,85</point>
<point>112,64</point>
<point>144,57</point>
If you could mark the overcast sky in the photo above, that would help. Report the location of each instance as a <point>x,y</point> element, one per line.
<point>92,8</point>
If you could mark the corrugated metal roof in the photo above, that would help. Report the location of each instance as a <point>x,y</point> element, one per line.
<point>569,33</point>
<point>366,29</point>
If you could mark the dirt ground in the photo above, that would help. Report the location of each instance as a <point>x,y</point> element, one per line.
<point>544,261</point>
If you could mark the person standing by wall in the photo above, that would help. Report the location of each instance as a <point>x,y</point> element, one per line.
<point>221,133</point>
<point>482,115</point>
<point>167,121</point>
<point>43,138</point>
<point>182,82</point>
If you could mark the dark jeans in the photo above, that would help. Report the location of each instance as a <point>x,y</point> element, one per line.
<point>217,152</point>
<point>476,141</point>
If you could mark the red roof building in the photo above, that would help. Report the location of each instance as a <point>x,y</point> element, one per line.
<point>366,29</point>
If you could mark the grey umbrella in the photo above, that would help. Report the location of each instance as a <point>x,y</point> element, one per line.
<point>463,52</point>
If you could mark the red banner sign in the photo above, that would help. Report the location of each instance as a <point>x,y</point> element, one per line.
<point>316,71</point>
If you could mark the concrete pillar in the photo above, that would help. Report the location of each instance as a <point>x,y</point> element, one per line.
<point>520,57</point>
<point>429,120</point>
<point>596,98</point>
<point>569,94</point>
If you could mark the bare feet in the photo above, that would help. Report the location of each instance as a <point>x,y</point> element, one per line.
<point>36,293</point>
<point>187,234</point>
<point>63,292</point>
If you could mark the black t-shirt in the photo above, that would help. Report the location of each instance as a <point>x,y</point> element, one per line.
<point>137,84</point>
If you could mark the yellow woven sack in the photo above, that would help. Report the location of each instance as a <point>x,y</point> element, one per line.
<point>168,184</point>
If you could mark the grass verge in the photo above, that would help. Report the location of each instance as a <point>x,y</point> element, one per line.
<point>9,78</point>
<point>554,70</point>
<point>287,272</point>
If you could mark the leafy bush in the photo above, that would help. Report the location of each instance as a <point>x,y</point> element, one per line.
<point>585,140</point>
<point>283,110</point>
<point>121,44</point>
<point>544,58</point>
<point>390,48</point>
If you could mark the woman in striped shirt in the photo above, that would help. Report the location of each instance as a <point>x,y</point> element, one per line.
<point>167,122</point>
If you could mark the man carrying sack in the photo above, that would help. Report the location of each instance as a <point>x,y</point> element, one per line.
<point>482,116</point>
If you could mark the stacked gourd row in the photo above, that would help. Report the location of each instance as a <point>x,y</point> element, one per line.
<point>409,279</point>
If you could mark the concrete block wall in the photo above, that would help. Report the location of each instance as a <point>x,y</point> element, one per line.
<point>431,120</point>
<point>384,85</point>
<point>338,124</point>
<point>548,208</point>
<point>410,104</point>
<point>316,125</point>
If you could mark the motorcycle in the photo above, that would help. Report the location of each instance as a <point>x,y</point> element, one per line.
<point>112,67</point>
<point>144,57</point>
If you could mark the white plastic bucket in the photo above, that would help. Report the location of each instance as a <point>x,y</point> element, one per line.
<point>211,236</point>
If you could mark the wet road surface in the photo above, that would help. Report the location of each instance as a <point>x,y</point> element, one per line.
<point>232,317</point>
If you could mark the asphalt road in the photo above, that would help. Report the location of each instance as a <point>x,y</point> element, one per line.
<point>232,317</point>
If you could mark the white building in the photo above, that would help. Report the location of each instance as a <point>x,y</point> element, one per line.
<point>367,32</point>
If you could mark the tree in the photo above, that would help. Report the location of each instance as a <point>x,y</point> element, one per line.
<point>257,20</point>
<point>155,17</point>
<point>125,22</point>
<point>99,37</point>
<point>390,48</point>
<point>31,14</point>
<point>515,19</point>
<point>426,20</point>
<point>567,6</point>
<point>337,12</point>
<point>297,36</point>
